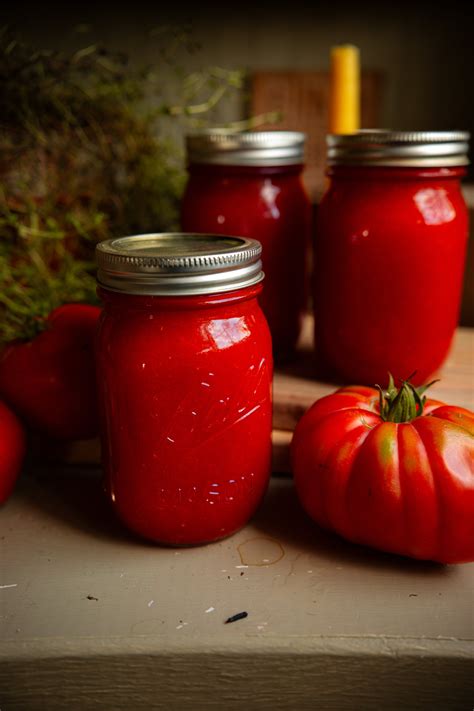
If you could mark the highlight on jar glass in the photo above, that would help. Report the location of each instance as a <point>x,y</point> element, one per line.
<point>250,184</point>
<point>184,365</point>
<point>390,251</point>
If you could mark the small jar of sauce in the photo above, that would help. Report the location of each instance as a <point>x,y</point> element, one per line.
<point>250,184</point>
<point>184,365</point>
<point>390,252</point>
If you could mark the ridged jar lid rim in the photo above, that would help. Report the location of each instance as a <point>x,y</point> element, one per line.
<point>399,148</point>
<point>178,263</point>
<point>251,148</point>
<point>382,135</point>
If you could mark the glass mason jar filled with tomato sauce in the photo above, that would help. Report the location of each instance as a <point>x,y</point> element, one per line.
<point>390,252</point>
<point>250,184</point>
<point>184,363</point>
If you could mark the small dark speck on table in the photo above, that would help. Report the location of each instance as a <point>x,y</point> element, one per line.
<point>91,597</point>
<point>412,595</point>
<point>238,616</point>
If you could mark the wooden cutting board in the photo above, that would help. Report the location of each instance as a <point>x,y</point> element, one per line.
<point>296,388</point>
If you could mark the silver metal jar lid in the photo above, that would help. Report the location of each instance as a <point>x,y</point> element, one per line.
<point>417,149</point>
<point>252,148</point>
<point>178,264</point>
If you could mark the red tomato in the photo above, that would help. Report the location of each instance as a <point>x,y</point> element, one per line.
<point>12,450</point>
<point>50,380</point>
<point>405,487</point>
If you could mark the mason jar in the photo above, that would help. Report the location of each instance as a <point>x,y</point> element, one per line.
<point>250,184</point>
<point>390,252</point>
<point>184,368</point>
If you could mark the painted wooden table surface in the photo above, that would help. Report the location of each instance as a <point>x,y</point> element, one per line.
<point>92,618</point>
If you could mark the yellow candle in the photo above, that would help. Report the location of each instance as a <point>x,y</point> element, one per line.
<point>344,90</point>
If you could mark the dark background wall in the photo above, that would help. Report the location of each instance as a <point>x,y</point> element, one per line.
<point>423,49</point>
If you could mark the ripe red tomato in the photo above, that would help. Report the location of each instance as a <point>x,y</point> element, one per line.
<point>50,380</point>
<point>401,481</point>
<point>12,450</point>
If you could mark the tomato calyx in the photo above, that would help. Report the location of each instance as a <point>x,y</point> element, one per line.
<point>402,404</point>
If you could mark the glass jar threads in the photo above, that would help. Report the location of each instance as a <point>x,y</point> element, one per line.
<point>390,252</point>
<point>184,367</point>
<point>250,184</point>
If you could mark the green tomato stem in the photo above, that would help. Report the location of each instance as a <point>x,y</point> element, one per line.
<point>402,404</point>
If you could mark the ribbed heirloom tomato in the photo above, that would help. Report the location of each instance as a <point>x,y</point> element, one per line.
<point>390,470</point>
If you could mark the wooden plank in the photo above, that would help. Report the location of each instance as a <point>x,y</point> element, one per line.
<point>296,675</point>
<point>295,387</point>
<point>281,440</point>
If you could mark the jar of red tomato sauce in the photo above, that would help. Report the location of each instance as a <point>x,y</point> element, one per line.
<point>390,252</point>
<point>184,363</point>
<point>250,184</point>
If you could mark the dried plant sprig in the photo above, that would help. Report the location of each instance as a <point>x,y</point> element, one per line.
<point>84,155</point>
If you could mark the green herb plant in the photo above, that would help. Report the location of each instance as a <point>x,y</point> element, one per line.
<point>86,153</point>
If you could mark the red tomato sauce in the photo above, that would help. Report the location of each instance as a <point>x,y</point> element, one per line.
<point>185,388</point>
<point>390,253</point>
<point>269,204</point>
